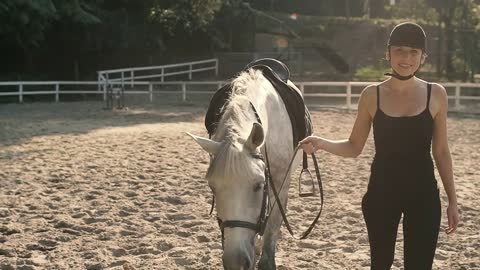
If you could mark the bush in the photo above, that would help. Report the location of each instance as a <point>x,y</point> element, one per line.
<point>371,73</point>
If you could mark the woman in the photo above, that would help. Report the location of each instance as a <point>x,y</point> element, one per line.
<point>409,117</point>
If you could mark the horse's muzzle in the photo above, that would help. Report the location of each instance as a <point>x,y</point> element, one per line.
<point>238,260</point>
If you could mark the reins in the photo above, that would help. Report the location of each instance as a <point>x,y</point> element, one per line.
<point>277,197</point>
<point>262,220</point>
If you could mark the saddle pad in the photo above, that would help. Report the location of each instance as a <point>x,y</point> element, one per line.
<point>292,98</point>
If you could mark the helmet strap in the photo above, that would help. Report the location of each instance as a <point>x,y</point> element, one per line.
<point>398,76</point>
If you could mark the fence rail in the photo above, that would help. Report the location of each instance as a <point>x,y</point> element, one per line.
<point>310,90</point>
<point>130,75</point>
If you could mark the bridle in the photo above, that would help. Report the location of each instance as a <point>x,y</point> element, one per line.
<point>259,227</point>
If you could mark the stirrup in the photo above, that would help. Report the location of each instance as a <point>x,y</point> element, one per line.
<point>306,194</point>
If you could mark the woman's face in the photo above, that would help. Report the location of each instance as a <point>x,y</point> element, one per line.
<point>405,60</point>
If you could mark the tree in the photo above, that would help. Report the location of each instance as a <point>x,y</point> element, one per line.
<point>457,22</point>
<point>24,23</point>
<point>184,15</point>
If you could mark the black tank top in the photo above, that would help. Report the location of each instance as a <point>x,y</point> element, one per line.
<point>402,149</point>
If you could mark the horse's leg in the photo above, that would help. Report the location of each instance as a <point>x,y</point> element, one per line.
<point>267,259</point>
<point>272,232</point>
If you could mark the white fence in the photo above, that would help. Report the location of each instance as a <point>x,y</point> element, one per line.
<point>311,90</point>
<point>129,75</point>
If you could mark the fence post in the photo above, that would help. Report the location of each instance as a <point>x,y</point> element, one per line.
<point>216,67</point>
<point>20,93</point>
<point>349,95</point>
<point>190,72</point>
<point>150,91</point>
<point>163,74</point>
<point>99,78</point>
<point>457,97</point>
<point>57,92</point>
<point>131,77</point>
<point>184,92</point>
<point>123,80</point>
<point>105,85</point>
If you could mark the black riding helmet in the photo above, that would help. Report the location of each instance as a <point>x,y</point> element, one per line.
<point>407,34</point>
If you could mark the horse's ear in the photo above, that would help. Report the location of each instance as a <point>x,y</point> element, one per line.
<point>208,145</point>
<point>256,137</point>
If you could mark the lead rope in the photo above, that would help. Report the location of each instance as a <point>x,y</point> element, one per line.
<point>277,198</point>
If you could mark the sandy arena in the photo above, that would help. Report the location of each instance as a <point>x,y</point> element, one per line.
<point>86,188</point>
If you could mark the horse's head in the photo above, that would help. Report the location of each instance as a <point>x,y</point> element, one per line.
<point>237,178</point>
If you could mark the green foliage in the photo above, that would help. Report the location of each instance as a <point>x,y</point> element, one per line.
<point>417,10</point>
<point>372,72</point>
<point>72,27</point>
<point>25,22</point>
<point>184,15</point>
<point>78,11</point>
<point>458,21</point>
<point>234,26</point>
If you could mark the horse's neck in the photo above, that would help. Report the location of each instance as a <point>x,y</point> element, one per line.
<point>237,120</point>
<point>238,117</point>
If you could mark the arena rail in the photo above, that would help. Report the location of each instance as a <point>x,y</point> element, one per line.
<point>310,90</point>
<point>130,75</point>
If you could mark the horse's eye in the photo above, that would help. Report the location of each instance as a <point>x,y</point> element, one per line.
<point>257,187</point>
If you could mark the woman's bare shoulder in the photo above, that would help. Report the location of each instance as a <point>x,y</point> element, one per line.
<point>368,99</point>
<point>438,99</point>
<point>439,89</point>
<point>439,93</point>
<point>369,91</point>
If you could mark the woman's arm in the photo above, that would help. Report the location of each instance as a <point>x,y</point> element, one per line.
<point>441,153</point>
<point>353,146</point>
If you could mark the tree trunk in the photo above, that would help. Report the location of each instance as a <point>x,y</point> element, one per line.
<point>439,49</point>
<point>347,9</point>
<point>450,46</point>
<point>475,57</point>
<point>366,9</point>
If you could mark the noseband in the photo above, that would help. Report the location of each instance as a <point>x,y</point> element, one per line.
<point>258,227</point>
<point>262,220</point>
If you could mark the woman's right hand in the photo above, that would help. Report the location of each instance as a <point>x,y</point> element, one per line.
<point>310,144</point>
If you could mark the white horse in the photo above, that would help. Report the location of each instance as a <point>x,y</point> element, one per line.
<point>236,174</point>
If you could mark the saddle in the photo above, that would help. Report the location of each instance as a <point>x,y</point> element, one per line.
<point>279,69</point>
<point>278,75</point>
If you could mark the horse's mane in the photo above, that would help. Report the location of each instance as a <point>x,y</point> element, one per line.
<point>237,113</point>
<point>235,126</point>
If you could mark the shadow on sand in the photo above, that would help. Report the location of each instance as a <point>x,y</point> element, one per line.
<point>20,122</point>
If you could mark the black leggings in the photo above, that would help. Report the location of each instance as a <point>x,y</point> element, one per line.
<point>421,224</point>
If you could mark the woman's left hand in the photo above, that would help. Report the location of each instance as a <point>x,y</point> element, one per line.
<point>453,218</point>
